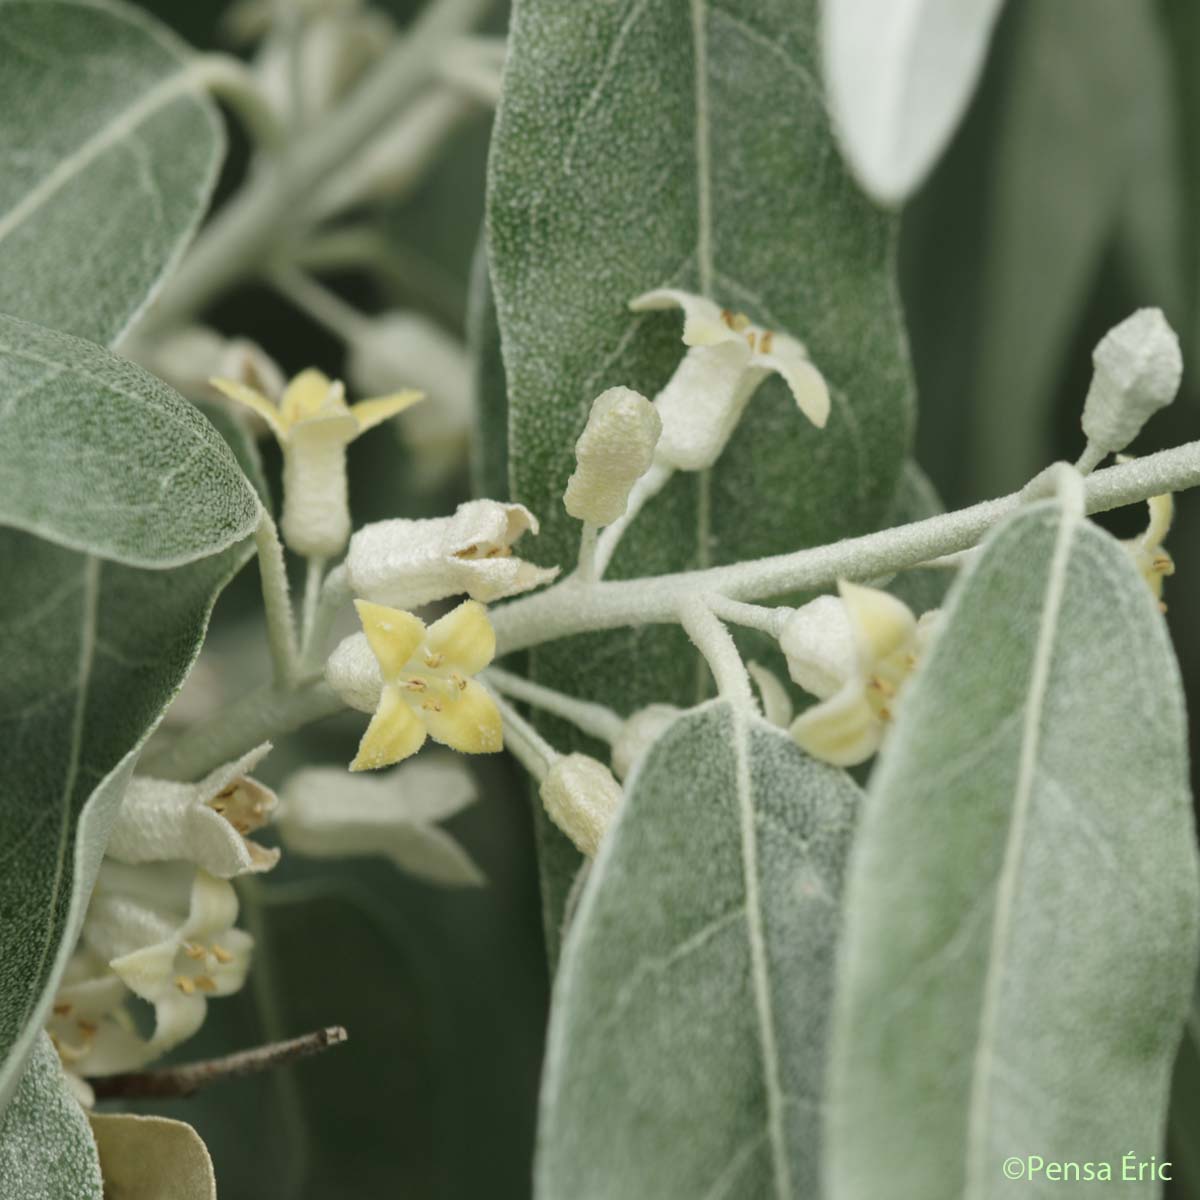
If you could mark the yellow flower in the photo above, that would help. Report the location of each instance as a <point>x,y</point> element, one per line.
<point>854,654</point>
<point>314,425</point>
<point>427,684</point>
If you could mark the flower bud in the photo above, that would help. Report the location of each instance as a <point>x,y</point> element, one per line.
<point>1138,367</point>
<point>407,563</point>
<point>818,643</point>
<point>613,452</point>
<point>399,349</point>
<point>638,734</point>
<point>582,797</point>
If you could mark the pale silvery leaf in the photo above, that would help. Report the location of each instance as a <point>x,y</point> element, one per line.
<point>46,1150</point>
<point>109,158</point>
<point>683,145</point>
<point>151,1158</point>
<point>686,1046</point>
<point>91,654</point>
<point>900,75</point>
<point>1022,900</point>
<point>98,455</point>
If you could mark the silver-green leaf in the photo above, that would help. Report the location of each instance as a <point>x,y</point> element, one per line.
<point>900,74</point>
<point>46,1148</point>
<point>98,455</point>
<point>91,653</point>
<point>108,156</point>
<point>684,143</point>
<point>1022,902</point>
<point>687,1038</point>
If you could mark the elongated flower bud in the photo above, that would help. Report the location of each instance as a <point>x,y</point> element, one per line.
<point>1138,367</point>
<point>613,452</point>
<point>582,797</point>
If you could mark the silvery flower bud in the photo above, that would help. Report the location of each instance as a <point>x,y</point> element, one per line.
<point>818,643</point>
<point>613,452</point>
<point>581,797</point>
<point>638,734</point>
<point>1138,367</point>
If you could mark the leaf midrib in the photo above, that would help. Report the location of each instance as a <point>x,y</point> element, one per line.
<point>978,1111</point>
<point>166,90</point>
<point>760,971</point>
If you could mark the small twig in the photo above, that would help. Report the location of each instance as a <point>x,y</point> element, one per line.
<point>190,1078</point>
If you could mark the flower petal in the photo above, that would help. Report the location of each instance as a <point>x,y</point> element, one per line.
<point>841,730</point>
<point>464,637</point>
<point>789,358</point>
<point>881,622</point>
<point>306,395</point>
<point>395,732</point>
<point>468,721</point>
<point>702,318</point>
<point>369,413</point>
<point>393,634</point>
<point>702,402</point>
<point>776,703</point>
<point>253,400</point>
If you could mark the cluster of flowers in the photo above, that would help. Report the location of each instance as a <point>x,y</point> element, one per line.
<point>160,925</point>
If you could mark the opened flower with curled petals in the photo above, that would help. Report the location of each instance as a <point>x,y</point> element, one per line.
<point>854,653</point>
<point>418,682</point>
<point>90,1024</point>
<point>166,930</point>
<point>206,823</point>
<point>313,424</point>
<point>728,358</point>
<point>407,563</point>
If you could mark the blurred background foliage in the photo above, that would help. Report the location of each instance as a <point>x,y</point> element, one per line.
<point>1069,197</point>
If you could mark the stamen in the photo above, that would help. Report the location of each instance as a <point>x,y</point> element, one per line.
<point>193,950</point>
<point>185,984</point>
<point>61,1010</point>
<point>220,953</point>
<point>432,705</point>
<point>89,1028</point>
<point>432,660</point>
<point>206,983</point>
<point>767,338</point>
<point>467,551</point>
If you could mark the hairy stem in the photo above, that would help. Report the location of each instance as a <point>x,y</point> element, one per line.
<point>714,642</point>
<point>524,742</point>
<point>255,718</point>
<point>277,602</point>
<point>247,232</point>
<point>596,720</point>
<point>190,1078</point>
<point>570,607</point>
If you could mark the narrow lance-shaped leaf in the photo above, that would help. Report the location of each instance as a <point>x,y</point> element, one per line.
<point>46,1148</point>
<point>669,144</point>
<point>98,455</point>
<point>109,156</point>
<point>91,653</point>
<point>900,75</point>
<point>1022,903</point>
<point>686,1052</point>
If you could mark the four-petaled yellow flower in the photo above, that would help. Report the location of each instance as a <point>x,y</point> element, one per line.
<point>427,684</point>
<point>314,425</point>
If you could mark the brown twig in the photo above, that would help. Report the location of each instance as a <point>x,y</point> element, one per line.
<point>189,1078</point>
